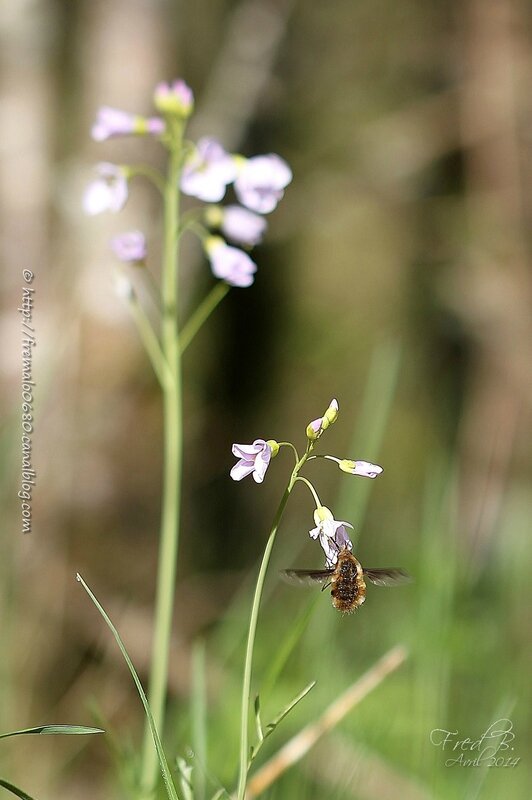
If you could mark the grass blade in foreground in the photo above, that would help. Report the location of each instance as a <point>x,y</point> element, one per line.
<point>199,719</point>
<point>15,790</point>
<point>72,730</point>
<point>294,750</point>
<point>165,769</point>
<point>264,733</point>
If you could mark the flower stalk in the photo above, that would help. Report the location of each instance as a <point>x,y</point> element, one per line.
<point>172,404</point>
<point>248,663</point>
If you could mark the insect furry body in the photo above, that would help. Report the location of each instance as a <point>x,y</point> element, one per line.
<point>348,587</point>
<point>347,579</point>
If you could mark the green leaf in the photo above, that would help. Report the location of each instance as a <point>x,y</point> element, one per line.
<point>220,793</point>
<point>271,726</point>
<point>72,730</point>
<point>275,722</point>
<point>15,790</point>
<point>185,776</point>
<point>163,763</point>
<point>258,723</point>
<point>294,634</point>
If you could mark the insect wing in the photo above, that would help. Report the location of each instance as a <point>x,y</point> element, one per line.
<point>387,576</point>
<point>307,576</point>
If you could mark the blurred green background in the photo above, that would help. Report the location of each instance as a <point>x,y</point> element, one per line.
<point>395,276</point>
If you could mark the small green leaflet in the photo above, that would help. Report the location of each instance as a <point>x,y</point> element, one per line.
<point>77,730</point>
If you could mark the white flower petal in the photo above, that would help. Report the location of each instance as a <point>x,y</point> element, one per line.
<point>242,469</point>
<point>367,469</point>
<point>96,198</point>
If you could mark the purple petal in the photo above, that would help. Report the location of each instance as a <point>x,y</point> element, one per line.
<point>248,450</point>
<point>261,181</point>
<point>242,469</point>
<point>367,469</point>
<point>262,462</point>
<point>342,539</point>
<point>243,226</point>
<point>129,247</point>
<point>232,265</point>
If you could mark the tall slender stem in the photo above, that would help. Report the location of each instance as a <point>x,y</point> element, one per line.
<point>203,311</point>
<point>248,664</point>
<point>169,536</point>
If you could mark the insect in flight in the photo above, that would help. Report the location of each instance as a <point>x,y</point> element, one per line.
<point>346,578</point>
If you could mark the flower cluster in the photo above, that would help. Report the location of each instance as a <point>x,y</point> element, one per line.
<point>207,173</point>
<point>254,459</point>
<point>258,184</point>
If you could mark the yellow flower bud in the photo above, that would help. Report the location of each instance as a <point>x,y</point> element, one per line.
<point>321,514</point>
<point>331,414</point>
<point>314,429</point>
<point>274,447</point>
<point>346,465</point>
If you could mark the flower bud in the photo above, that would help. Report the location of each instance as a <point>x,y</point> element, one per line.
<point>130,247</point>
<point>314,429</point>
<point>274,446</point>
<point>364,468</point>
<point>175,99</point>
<point>213,216</point>
<point>317,426</point>
<point>331,414</point>
<point>322,514</point>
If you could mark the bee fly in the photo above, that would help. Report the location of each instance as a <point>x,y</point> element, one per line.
<point>346,578</point>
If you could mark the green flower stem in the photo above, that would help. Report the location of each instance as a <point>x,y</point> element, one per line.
<point>246,685</point>
<point>168,544</point>
<point>152,174</point>
<point>312,489</point>
<point>200,315</point>
<point>289,444</point>
<point>150,341</point>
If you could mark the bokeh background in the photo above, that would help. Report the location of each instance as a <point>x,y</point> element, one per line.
<point>395,276</point>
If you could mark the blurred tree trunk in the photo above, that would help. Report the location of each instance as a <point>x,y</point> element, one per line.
<point>494,291</point>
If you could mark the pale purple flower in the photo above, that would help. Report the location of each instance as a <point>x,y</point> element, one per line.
<point>331,533</point>
<point>129,247</point>
<point>174,97</point>
<point>112,122</point>
<point>261,181</point>
<point>229,263</point>
<point>243,226</point>
<point>253,459</point>
<point>108,192</point>
<point>364,468</point>
<point>207,171</point>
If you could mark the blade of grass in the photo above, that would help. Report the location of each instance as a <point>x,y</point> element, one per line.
<point>199,719</point>
<point>72,730</point>
<point>437,574</point>
<point>15,790</point>
<point>478,777</point>
<point>369,432</point>
<point>185,775</point>
<point>163,763</point>
<point>294,634</point>
<point>271,726</point>
<point>297,747</point>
